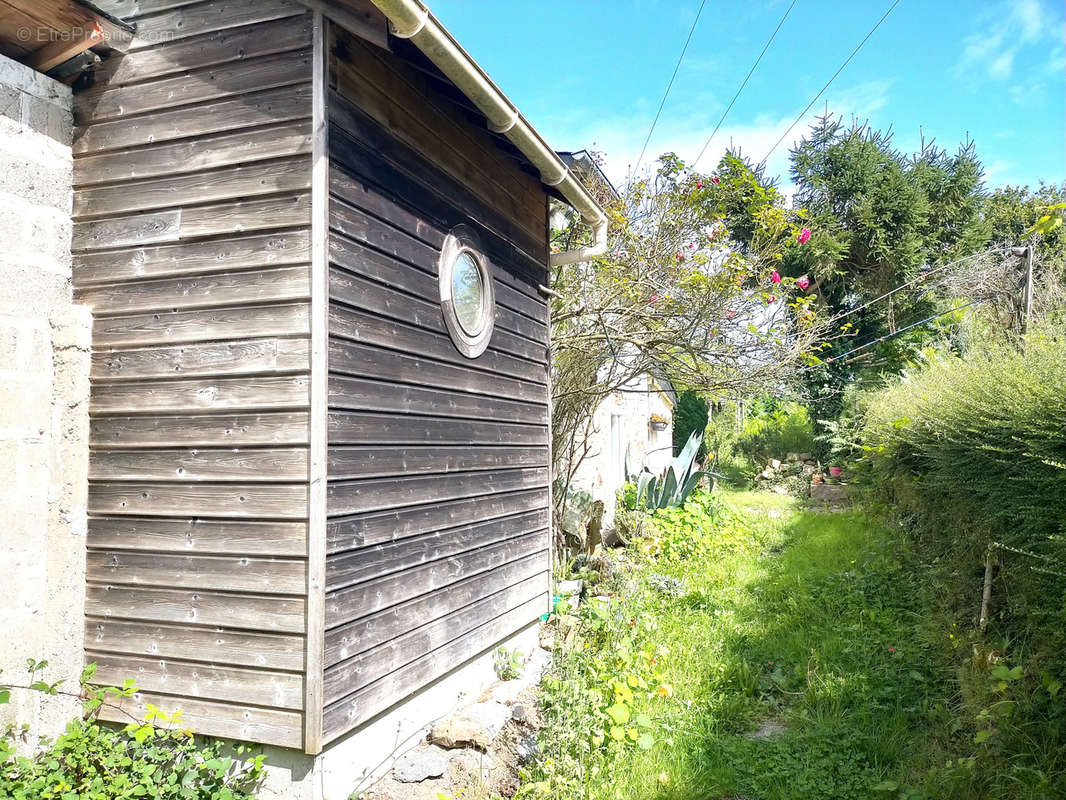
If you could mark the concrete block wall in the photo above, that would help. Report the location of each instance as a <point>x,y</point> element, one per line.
<point>44,396</point>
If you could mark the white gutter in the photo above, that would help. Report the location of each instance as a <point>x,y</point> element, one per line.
<point>411,19</point>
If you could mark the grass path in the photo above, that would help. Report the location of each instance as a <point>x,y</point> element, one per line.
<point>793,656</point>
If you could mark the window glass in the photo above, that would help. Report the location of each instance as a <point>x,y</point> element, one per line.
<point>468,293</point>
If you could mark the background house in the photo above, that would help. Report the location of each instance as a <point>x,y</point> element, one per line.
<point>638,418</point>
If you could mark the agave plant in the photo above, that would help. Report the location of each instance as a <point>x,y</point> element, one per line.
<point>673,487</point>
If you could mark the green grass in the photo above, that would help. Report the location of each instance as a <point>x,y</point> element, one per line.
<point>800,655</point>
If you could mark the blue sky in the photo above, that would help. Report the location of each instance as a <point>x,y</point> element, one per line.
<point>590,73</point>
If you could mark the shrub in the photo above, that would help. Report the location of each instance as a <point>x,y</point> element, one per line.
<point>156,758</point>
<point>690,416</point>
<point>773,429</point>
<point>971,453</point>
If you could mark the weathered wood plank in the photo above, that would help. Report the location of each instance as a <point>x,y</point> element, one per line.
<point>353,428</point>
<point>283,464</point>
<point>347,569</point>
<point>192,155</point>
<point>198,291</point>
<point>349,676</point>
<point>354,497</point>
<point>363,530</point>
<point>243,723</point>
<point>242,611</point>
<point>247,110</point>
<point>199,86</point>
<point>188,258</point>
<point>203,537</point>
<point>200,681</point>
<point>225,573</point>
<point>369,632</point>
<point>194,20</point>
<point>243,501</point>
<point>216,645</point>
<point>346,714</point>
<point>373,331</point>
<point>212,185</point>
<point>234,44</point>
<point>168,327</point>
<point>131,9</point>
<point>357,292</point>
<point>163,227</point>
<point>361,228</point>
<point>370,462</point>
<point>203,430</point>
<point>241,357</point>
<point>355,394</point>
<point>369,152</point>
<point>319,443</point>
<point>200,395</point>
<point>348,358</point>
<point>365,598</point>
<point>401,100</point>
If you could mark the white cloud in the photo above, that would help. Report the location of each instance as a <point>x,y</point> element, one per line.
<point>1000,31</point>
<point>620,136</point>
<point>996,169</point>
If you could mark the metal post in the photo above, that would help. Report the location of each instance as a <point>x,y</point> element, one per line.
<point>1028,298</point>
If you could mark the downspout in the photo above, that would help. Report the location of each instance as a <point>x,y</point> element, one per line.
<point>412,19</point>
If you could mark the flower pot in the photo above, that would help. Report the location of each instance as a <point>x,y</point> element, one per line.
<point>658,426</point>
<point>836,472</point>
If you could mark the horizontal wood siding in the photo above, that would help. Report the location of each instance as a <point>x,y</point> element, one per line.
<point>438,472</point>
<point>192,173</point>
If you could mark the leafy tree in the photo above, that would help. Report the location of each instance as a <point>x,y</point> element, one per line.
<point>690,415</point>
<point>1011,214</point>
<point>673,293</point>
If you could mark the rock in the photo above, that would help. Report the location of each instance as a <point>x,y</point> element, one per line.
<point>474,763</point>
<point>475,726</point>
<point>526,750</point>
<point>774,464</point>
<point>793,457</point>
<point>567,588</point>
<point>805,457</point>
<point>808,469</point>
<point>519,713</point>
<point>779,489</point>
<point>419,764</point>
<point>829,493</point>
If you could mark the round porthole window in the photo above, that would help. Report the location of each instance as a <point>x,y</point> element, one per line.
<point>466,293</point>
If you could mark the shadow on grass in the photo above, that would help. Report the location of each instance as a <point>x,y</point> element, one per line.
<point>830,648</point>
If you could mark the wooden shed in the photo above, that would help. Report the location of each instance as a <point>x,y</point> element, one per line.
<point>312,237</point>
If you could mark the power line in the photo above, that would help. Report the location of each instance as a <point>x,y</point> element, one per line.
<point>744,83</point>
<point>822,90</point>
<point>924,276</point>
<point>670,84</point>
<point>894,334</point>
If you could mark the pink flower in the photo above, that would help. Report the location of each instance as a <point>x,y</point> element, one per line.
<point>803,282</point>
<point>654,300</point>
<point>775,277</point>
<point>680,256</point>
<point>715,179</point>
<point>691,245</point>
<point>804,235</point>
<point>699,184</point>
<point>771,299</point>
<point>730,314</point>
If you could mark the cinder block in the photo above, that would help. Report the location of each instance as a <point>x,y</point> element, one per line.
<point>9,345</point>
<point>11,103</point>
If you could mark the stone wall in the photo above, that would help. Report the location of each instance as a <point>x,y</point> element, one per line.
<point>44,395</point>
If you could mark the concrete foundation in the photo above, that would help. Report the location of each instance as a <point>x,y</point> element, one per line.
<point>353,763</point>
<point>44,399</point>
